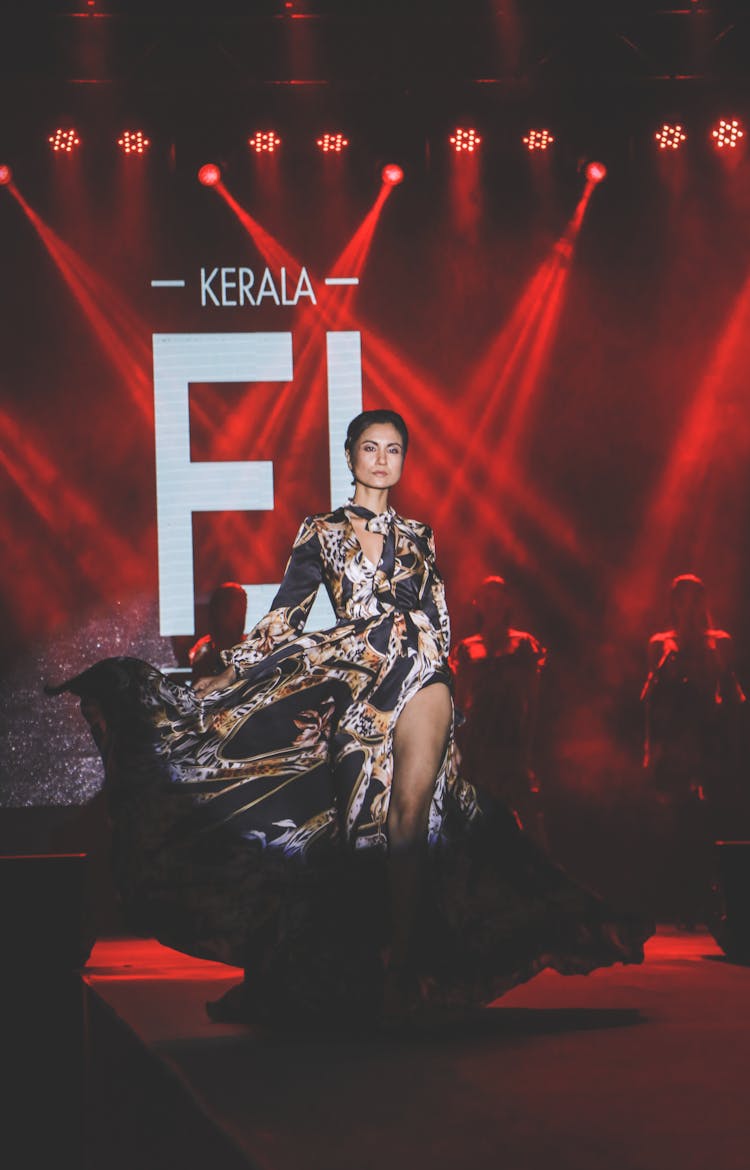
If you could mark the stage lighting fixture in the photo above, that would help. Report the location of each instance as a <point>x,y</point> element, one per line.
<point>332,143</point>
<point>64,140</point>
<point>727,133</point>
<point>538,140</point>
<point>671,136</point>
<point>209,175</point>
<point>465,139</point>
<point>133,142</point>
<point>595,172</point>
<point>6,175</point>
<point>264,141</point>
<point>392,174</point>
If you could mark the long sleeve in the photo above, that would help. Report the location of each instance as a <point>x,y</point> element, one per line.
<point>291,605</point>
<point>433,597</point>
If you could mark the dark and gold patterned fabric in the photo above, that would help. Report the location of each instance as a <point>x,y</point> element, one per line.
<point>391,638</point>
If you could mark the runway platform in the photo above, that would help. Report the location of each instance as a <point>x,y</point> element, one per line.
<point>636,1068</point>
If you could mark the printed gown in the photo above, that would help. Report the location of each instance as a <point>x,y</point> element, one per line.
<point>251,827</point>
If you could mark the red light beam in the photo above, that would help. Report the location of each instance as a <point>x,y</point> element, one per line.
<point>116,326</point>
<point>679,499</point>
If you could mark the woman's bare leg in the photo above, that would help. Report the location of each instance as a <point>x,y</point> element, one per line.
<point>418,745</point>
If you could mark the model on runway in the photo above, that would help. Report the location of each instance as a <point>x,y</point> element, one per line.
<point>303,813</point>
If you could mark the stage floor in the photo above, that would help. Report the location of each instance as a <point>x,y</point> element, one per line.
<point>631,1068</point>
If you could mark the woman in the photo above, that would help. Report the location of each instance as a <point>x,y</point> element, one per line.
<point>496,675</point>
<point>692,701</point>
<point>303,813</point>
<point>689,694</point>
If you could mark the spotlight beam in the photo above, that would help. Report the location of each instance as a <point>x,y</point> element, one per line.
<point>517,358</point>
<point>394,382</point>
<point>677,503</point>
<point>118,329</point>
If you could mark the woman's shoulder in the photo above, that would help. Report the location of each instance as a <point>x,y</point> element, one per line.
<point>418,527</point>
<point>325,519</point>
<point>323,525</point>
<point>662,636</point>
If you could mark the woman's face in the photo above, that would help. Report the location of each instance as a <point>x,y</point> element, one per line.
<point>492,606</point>
<point>688,606</point>
<point>376,459</point>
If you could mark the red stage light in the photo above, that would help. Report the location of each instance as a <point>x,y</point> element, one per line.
<point>465,140</point>
<point>64,140</point>
<point>670,137</point>
<point>209,175</point>
<point>727,133</point>
<point>538,140</point>
<point>264,141</point>
<point>332,143</point>
<point>392,174</point>
<point>595,172</point>
<point>6,175</point>
<point>133,142</point>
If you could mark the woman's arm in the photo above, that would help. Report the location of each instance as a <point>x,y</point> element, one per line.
<point>287,616</point>
<point>660,648</point>
<point>291,605</point>
<point>433,596</point>
<point>729,685</point>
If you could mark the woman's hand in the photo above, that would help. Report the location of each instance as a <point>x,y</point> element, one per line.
<point>215,682</point>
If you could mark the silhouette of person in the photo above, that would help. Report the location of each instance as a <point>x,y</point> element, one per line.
<point>691,699</point>
<point>227,609</point>
<point>496,675</point>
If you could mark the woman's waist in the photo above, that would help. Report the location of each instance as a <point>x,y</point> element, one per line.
<point>363,615</point>
<point>407,630</point>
